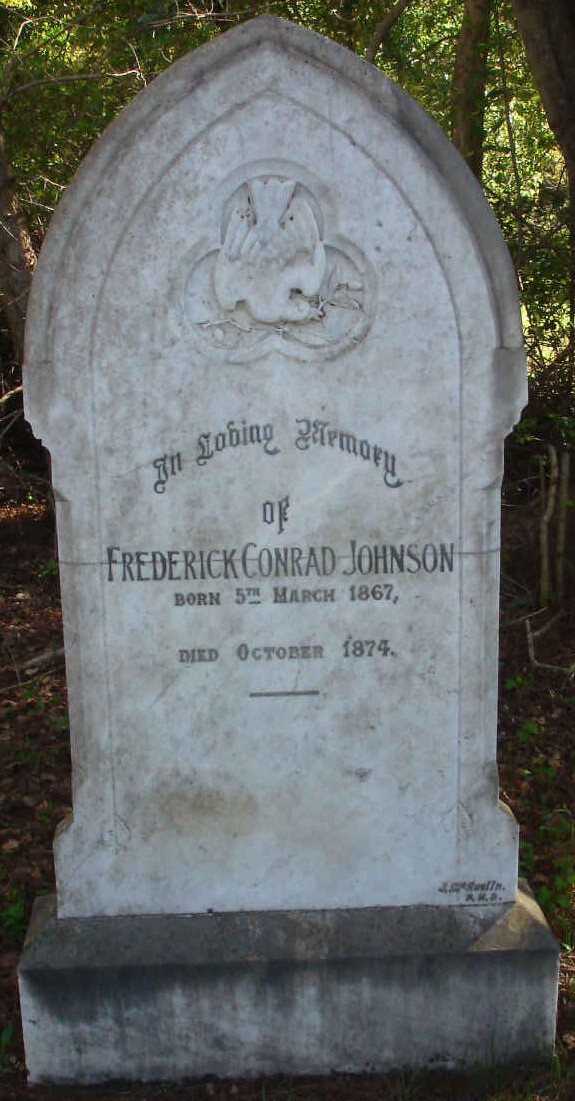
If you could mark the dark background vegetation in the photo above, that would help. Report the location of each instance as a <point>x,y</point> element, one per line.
<point>499,77</point>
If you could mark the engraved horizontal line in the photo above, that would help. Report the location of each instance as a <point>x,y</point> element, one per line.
<point>304,692</point>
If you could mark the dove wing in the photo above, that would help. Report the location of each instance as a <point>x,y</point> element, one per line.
<point>302,245</point>
<point>230,262</point>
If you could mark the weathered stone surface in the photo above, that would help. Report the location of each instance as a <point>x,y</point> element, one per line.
<point>274,348</point>
<point>245,994</point>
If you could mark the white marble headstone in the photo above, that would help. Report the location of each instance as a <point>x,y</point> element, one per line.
<point>274,349</point>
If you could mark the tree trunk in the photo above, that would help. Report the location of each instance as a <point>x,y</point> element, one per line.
<point>469,79</point>
<point>548,32</point>
<point>383,28</point>
<point>17,258</point>
<point>547,28</point>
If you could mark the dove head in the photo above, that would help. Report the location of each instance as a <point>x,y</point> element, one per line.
<point>270,199</point>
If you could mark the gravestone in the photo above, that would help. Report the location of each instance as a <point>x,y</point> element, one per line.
<point>274,348</point>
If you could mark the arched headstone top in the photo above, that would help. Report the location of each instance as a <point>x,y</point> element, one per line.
<point>188,98</point>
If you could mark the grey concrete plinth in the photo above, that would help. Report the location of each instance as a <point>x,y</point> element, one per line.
<point>147,998</point>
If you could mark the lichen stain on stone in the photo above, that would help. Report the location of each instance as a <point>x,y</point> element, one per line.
<point>189,809</point>
<point>361,774</point>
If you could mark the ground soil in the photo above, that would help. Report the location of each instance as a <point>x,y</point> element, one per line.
<point>537,769</point>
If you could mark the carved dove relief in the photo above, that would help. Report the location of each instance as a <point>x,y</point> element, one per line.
<point>274,282</point>
<point>272,257</point>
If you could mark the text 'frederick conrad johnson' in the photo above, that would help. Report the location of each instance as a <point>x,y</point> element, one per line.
<point>254,562</point>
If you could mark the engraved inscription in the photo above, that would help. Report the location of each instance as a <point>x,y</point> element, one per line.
<point>310,433</point>
<point>242,435</point>
<point>250,574</point>
<point>248,596</point>
<point>470,891</point>
<point>284,594</point>
<point>280,653</point>
<point>367,648</point>
<point>254,562</point>
<point>325,435</point>
<point>276,512</point>
<point>167,466</point>
<point>197,655</point>
<point>197,600</point>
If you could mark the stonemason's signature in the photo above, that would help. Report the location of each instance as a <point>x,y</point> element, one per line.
<point>487,891</point>
<point>309,434</point>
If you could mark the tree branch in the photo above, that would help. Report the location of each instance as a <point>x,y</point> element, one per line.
<point>469,82</point>
<point>548,509</point>
<point>510,131</point>
<point>43,82</point>
<point>384,27</point>
<point>21,56</point>
<point>568,671</point>
<point>11,394</point>
<point>17,257</point>
<point>562,526</point>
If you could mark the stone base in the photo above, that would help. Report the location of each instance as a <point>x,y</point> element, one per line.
<point>249,994</point>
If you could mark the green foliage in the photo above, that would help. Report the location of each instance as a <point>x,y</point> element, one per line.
<point>526,432</point>
<point>420,54</point>
<point>519,681</point>
<point>557,834</point>
<point>67,69</point>
<point>527,731</point>
<point>5,1041</point>
<point>523,172</point>
<point>404,1086</point>
<point>13,915</point>
<point>526,857</point>
<point>44,813</point>
<point>36,703</point>
<point>50,569</point>
<point>42,60</point>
